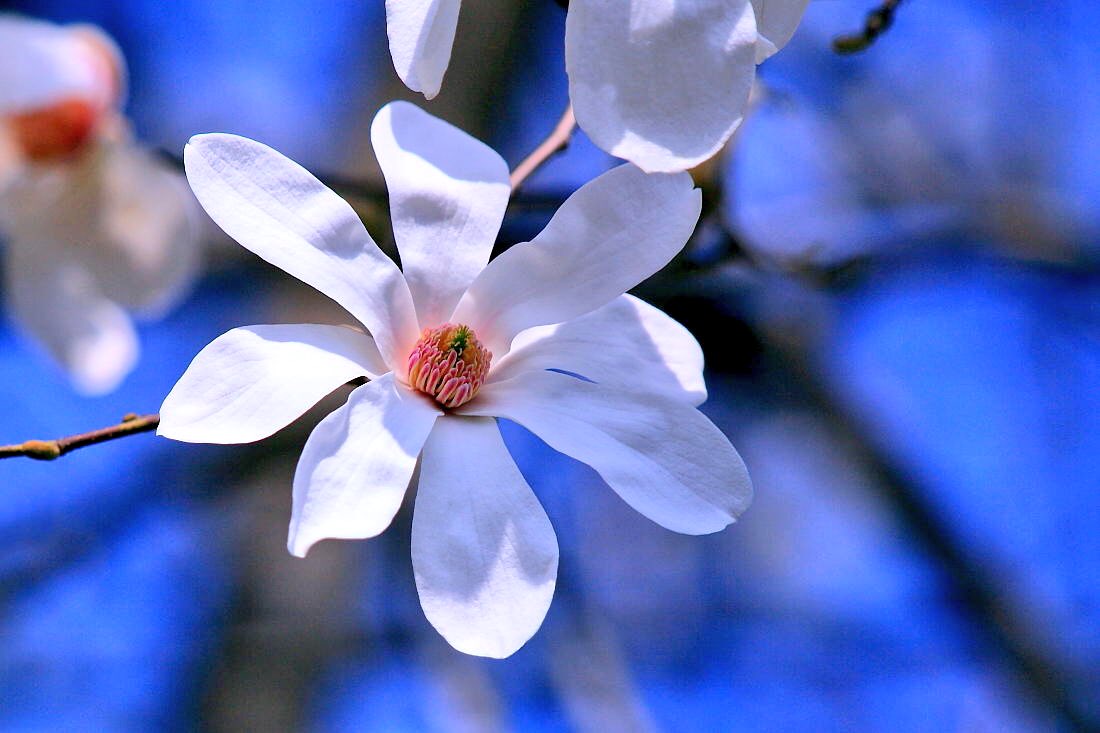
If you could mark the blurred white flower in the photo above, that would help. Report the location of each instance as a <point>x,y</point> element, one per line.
<point>455,341</point>
<point>661,83</point>
<point>94,226</point>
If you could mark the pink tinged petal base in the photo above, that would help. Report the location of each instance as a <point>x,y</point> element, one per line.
<point>421,34</point>
<point>275,208</point>
<point>662,456</point>
<point>484,554</point>
<point>357,464</point>
<point>448,192</point>
<point>607,237</point>
<point>252,381</point>
<point>627,344</point>
<point>61,305</point>
<point>661,83</point>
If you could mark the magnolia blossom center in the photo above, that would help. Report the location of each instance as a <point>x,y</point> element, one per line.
<point>449,364</point>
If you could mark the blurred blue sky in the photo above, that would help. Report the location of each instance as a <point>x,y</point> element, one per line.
<point>958,159</point>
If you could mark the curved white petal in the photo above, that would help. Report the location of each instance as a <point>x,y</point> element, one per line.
<point>421,34</point>
<point>661,83</point>
<point>448,192</point>
<point>662,456</point>
<point>60,304</point>
<point>42,63</point>
<point>357,463</point>
<point>626,343</point>
<point>776,21</point>
<point>252,381</point>
<point>611,234</point>
<point>276,209</point>
<point>483,551</point>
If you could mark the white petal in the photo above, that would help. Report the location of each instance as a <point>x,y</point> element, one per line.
<point>662,83</point>
<point>448,192</point>
<point>357,463</point>
<point>59,303</point>
<point>42,63</point>
<point>776,21</point>
<point>252,381</point>
<point>607,237</point>
<point>662,456</point>
<point>421,34</point>
<point>276,209</point>
<point>483,551</point>
<point>626,343</point>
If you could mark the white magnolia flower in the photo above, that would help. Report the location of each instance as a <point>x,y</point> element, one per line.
<point>661,83</point>
<point>454,342</point>
<point>93,225</point>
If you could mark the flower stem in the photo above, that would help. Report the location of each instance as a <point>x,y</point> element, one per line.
<point>557,141</point>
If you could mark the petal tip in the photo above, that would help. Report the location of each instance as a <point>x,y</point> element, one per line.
<point>486,648</point>
<point>170,431</point>
<point>298,543</point>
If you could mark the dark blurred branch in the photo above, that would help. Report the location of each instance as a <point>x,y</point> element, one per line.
<point>556,142</point>
<point>48,450</point>
<point>878,21</point>
<point>1001,620</point>
<point>1005,624</point>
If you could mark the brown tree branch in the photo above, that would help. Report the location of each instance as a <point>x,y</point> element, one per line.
<point>48,450</point>
<point>557,141</point>
<point>878,21</point>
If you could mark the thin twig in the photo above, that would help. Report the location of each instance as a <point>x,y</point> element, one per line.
<point>877,22</point>
<point>48,450</point>
<point>557,141</point>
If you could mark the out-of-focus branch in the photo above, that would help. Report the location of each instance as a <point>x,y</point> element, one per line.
<point>556,142</point>
<point>877,23</point>
<point>48,450</point>
<point>976,588</point>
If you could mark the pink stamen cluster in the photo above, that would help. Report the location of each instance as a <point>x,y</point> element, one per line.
<point>449,363</point>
